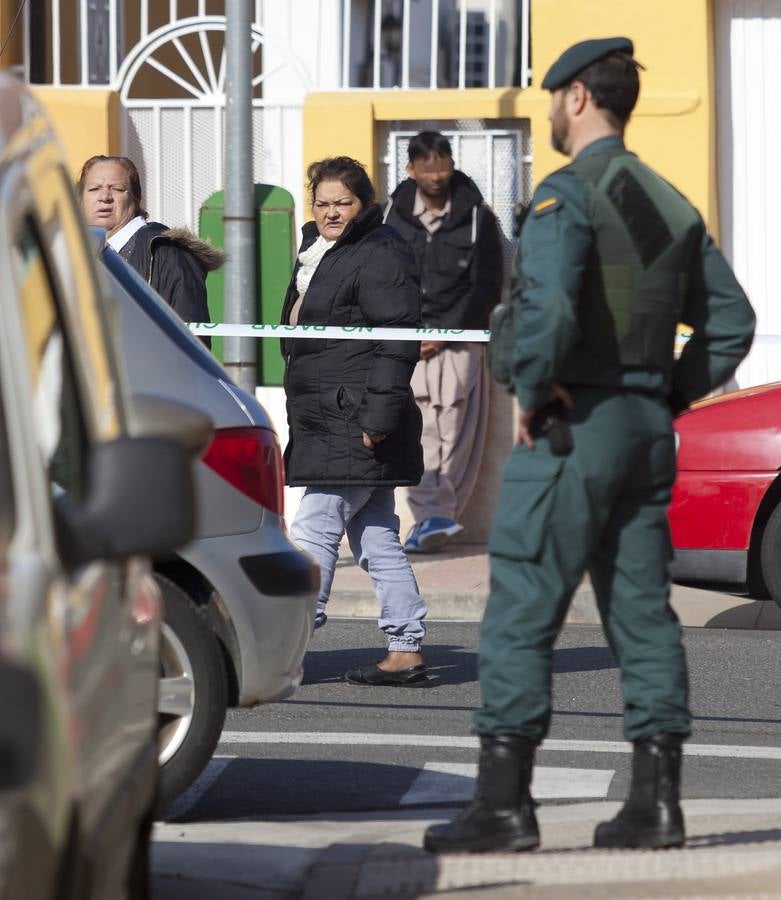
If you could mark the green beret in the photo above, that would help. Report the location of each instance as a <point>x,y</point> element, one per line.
<point>578,56</point>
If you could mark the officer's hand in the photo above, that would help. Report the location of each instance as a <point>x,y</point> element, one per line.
<point>369,440</point>
<point>521,431</point>
<point>523,419</point>
<point>430,348</point>
<point>563,395</point>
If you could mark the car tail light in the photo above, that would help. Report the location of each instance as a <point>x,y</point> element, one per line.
<point>249,459</point>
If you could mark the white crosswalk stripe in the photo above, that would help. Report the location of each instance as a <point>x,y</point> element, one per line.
<point>452,782</point>
<point>441,782</point>
<point>455,783</point>
<point>355,739</point>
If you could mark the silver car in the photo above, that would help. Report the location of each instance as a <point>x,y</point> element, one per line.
<point>239,599</point>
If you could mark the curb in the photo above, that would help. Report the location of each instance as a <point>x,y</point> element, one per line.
<point>695,607</point>
<point>733,851</point>
<point>735,856</point>
<point>608,874</point>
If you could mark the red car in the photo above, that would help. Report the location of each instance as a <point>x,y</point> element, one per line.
<point>725,513</point>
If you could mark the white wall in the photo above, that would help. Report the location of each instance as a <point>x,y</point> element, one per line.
<point>311,30</point>
<point>748,72</point>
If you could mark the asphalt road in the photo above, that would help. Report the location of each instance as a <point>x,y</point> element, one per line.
<point>337,747</point>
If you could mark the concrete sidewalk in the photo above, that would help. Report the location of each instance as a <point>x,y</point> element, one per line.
<point>455,585</point>
<point>733,851</point>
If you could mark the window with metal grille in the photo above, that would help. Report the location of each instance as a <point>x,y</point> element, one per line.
<point>434,43</point>
<point>496,154</point>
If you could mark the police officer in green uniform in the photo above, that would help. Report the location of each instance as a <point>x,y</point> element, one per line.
<point>611,259</point>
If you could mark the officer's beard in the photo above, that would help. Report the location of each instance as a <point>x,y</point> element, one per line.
<point>559,127</point>
<point>559,134</point>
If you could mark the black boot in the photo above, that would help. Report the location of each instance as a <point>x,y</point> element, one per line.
<point>651,817</point>
<point>501,816</point>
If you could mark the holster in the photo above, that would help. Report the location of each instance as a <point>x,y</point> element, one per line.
<point>552,423</point>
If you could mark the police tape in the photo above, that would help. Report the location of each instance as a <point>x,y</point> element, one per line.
<point>375,333</point>
<point>346,332</point>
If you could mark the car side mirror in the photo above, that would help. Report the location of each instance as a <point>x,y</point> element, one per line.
<point>140,500</point>
<point>149,415</point>
<point>20,725</point>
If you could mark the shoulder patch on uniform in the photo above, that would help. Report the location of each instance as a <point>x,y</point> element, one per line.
<point>546,206</point>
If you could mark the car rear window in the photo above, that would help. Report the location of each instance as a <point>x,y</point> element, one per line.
<point>162,315</point>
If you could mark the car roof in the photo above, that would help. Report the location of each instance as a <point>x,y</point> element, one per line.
<point>161,314</point>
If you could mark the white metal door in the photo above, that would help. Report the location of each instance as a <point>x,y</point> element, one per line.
<point>748,84</point>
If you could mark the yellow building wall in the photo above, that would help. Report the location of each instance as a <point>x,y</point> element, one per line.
<point>674,125</point>
<point>87,121</point>
<point>13,49</point>
<point>673,128</point>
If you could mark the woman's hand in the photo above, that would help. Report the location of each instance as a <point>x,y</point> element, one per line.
<point>430,348</point>
<point>369,440</point>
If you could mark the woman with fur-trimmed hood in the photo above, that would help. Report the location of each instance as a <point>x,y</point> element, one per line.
<point>173,261</point>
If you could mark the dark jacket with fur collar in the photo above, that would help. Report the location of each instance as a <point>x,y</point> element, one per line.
<point>337,389</point>
<point>175,263</point>
<point>460,265</point>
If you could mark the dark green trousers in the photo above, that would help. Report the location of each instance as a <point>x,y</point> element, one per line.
<point>602,509</point>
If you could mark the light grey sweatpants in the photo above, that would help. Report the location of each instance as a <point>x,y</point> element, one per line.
<point>451,389</point>
<point>368,515</point>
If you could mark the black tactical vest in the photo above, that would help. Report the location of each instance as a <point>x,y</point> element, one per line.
<point>646,235</point>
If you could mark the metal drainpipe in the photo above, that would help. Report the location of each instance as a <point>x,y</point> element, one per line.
<point>239,215</point>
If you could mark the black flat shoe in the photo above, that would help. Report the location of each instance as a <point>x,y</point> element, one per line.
<point>374,675</point>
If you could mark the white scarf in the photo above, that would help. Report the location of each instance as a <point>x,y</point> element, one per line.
<point>310,260</point>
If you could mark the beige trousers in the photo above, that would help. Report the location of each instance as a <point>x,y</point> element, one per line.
<point>451,390</point>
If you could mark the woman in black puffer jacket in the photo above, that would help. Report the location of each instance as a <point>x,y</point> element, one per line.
<point>354,425</point>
